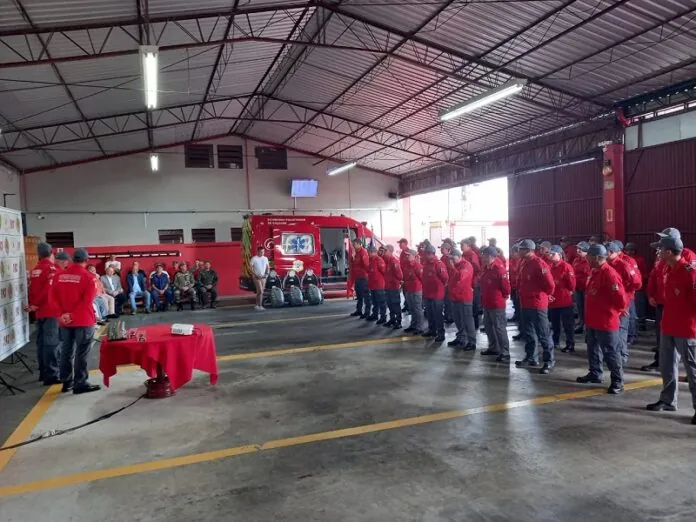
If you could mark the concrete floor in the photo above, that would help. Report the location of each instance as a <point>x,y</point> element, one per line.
<point>558,456</point>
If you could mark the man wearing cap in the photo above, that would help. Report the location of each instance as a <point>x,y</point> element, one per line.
<point>593,240</point>
<point>641,302</point>
<point>513,270</point>
<point>495,290</point>
<point>72,294</point>
<point>461,293</point>
<point>570,250</point>
<point>631,280</point>
<point>473,257</point>
<point>434,280</point>
<point>561,302</point>
<point>375,284</point>
<point>62,260</point>
<point>678,328</point>
<point>445,249</point>
<point>359,265</point>
<point>393,278</point>
<point>605,301</point>
<point>535,284</point>
<point>544,249</point>
<point>413,287</point>
<point>403,258</point>
<point>47,330</point>
<point>583,270</point>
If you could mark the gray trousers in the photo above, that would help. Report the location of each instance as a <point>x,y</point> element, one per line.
<point>580,305</point>
<point>47,348</point>
<point>414,300</point>
<point>77,343</point>
<point>362,295</point>
<point>394,305</point>
<point>463,315</point>
<point>623,333</point>
<point>601,346</point>
<point>495,322</point>
<point>673,349</point>
<point>433,311</point>
<point>534,326</point>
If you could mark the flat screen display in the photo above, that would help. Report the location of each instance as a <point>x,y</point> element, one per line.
<point>304,188</point>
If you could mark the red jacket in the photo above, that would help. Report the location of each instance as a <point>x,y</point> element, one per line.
<point>582,269</point>
<point>472,257</point>
<point>393,275</point>
<point>359,264</point>
<point>73,293</point>
<point>656,281</point>
<point>413,274</point>
<point>630,277</point>
<point>514,269</point>
<point>571,252</point>
<point>642,267</point>
<point>434,279</point>
<point>534,283</point>
<point>375,273</point>
<point>460,284</point>
<point>605,299</point>
<point>495,286</point>
<point>40,283</point>
<point>564,285</point>
<point>679,313</point>
<point>403,259</point>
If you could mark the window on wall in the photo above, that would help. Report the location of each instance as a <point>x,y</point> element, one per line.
<point>175,235</point>
<point>199,156</point>
<point>271,158</point>
<point>60,239</point>
<point>230,157</point>
<point>236,234</point>
<point>203,235</point>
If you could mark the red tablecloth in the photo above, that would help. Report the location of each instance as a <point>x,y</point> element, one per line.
<point>179,355</point>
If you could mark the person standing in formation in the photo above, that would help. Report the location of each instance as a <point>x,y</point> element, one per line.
<point>445,249</point>
<point>641,301</point>
<point>413,288</point>
<point>630,278</point>
<point>434,280</point>
<point>461,294</point>
<point>375,284</point>
<point>359,265</point>
<point>471,254</point>
<point>513,270</point>
<point>561,302</point>
<point>582,269</point>
<point>403,257</point>
<point>393,278</point>
<point>495,290</point>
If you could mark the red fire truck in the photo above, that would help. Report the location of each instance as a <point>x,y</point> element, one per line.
<point>303,251</point>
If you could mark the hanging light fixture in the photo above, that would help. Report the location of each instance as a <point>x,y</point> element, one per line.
<point>149,55</point>
<point>154,162</point>
<point>341,168</point>
<point>507,89</point>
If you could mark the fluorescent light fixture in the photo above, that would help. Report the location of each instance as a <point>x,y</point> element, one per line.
<point>149,56</point>
<point>488,97</point>
<point>154,162</point>
<point>341,168</point>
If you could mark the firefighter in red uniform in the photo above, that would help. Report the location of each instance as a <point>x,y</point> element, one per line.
<point>413,287</point>
<point>445,249</point>
<point>582,269</point>
<point>376,283</point>
<point>359,265</point>
<point>630,277</point>
<point>495,290</point>
<point>47,329</point>
<point>461,292</point>
<point>570,250</point>
<point>641,301</point>
<point>561,302</point>
<point>434,280</point>
<point>605,301</point>
<point>72,294</point>
<point>514,267</point>
<point>403,258</point>
<point>472,255</point>
<point>535,284</point>
<point>678,339</point>
<point>392,286</point>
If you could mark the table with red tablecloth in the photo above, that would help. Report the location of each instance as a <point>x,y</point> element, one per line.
<point>160,353</point>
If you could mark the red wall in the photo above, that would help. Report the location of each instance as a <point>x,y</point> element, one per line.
<point>566,201</point>
<point>226,259</point>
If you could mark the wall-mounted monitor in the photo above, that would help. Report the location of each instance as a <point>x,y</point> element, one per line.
<point>304,188</point>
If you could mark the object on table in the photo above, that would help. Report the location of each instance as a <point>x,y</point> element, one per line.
<point>182,329</point>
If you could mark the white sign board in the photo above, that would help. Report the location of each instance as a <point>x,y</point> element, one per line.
<point>14,321</point>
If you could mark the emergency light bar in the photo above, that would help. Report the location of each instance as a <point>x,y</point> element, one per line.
<point>341,168</point>
<point>488,97</point>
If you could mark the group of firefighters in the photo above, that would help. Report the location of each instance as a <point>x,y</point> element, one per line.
<point>548,284</point>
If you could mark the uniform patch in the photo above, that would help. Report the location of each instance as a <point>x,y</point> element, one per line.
<point>615,287</point>
<point>543,271</point>
<point>676,291</point>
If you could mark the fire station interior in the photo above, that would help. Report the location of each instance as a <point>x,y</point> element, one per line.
<point>159,131</point>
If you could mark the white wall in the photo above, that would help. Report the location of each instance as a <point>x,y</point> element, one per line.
<point>663,130</point>
<point>9,184</point>
<point>130,203</point>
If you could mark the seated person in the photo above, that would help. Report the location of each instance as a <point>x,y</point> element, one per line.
<point>207,284</point>
<point>159,282</point>
<point>109,301</point>
<point>113,287</point>
<point>114,263</point>
<point>137,288</point>
<point>100,311</point>
<point>184,285</point>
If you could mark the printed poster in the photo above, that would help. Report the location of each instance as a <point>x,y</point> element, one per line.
<point>14,321</point>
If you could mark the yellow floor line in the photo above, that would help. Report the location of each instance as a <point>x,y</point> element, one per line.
<point>144,467</point>
<point>28,424</point>
<point>309,318</point>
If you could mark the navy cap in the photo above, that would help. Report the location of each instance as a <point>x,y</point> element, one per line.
<point>630,246</point>
<point>556,249</point>
<point>62,256</point>
<point>620,243</point>
<point>80,255</point>
<point>430,249</point>
<point>614,247</point>
<point>670,232</point>
<point>489,251</point>
<point>546,244</point>
<point>583,246</point>
<point>455,253</point>
<point>44,250</point>
<point>527,244</point>
<point>412,252</point>
<point>448,241</point>
<point>597,250</point>
<point>372,248</point>
<point>671,243</point>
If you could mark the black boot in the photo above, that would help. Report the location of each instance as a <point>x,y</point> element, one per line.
<point>372,317</point>
<point>193,305</point>
<point>382,320</point>
<point>396,326</point>
<point>179,307</point>
<point>579,330</point>
<point>517,337</point>
<point>355,314</point>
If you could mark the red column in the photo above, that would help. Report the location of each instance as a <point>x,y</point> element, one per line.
<point>613,193</point>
